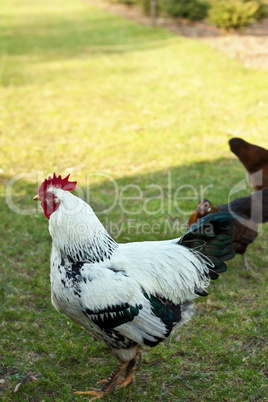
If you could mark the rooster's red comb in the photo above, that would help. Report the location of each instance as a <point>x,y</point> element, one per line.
<point>58,182</point>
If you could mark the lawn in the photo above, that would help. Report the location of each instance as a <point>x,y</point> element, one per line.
<point>141,119</point>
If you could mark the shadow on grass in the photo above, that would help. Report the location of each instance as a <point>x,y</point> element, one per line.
<point>156,197</point>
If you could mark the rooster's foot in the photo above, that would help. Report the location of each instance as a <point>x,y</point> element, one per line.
<point>114,380</point>
<point>101,382</point>
<point>96,393</point>
<point>107,386</point>
<point>124,382</point>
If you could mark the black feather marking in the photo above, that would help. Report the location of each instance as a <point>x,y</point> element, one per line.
<point>73,272</point>
<point>85,257</point>
<point>121,271</point>
<point>77,292</point>
<point>151,343</point>
<point>176,311</point>
<point>201,292</point>
<point>109,309</point>
<point>174,308</point>
<point>118,341</point>
<point>76,268</point>
<point>73,269</point>
<point>113,316</point>
<point>161,311</point>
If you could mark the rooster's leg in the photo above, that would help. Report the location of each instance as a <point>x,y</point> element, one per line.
<point>101,393</point>
<point>245,265</point>
<point>132,366</point>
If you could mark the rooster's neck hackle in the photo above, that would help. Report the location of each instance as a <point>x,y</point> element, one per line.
<point>77,232</point>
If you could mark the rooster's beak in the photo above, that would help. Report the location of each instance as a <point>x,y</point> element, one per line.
<point>36,198</point>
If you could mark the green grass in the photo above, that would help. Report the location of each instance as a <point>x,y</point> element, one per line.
<point>85,92</point>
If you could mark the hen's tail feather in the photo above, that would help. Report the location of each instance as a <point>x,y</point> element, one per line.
<point>212,236</point>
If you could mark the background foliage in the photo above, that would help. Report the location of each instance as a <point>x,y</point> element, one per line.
<point>192,10</point>
<point>232,14</point>
<point>225,14</point>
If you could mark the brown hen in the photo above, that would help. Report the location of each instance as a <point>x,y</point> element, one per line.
<point>255,160</point>
<point>247,212</point>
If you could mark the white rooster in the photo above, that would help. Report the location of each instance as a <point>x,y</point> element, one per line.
<point>128,295</point>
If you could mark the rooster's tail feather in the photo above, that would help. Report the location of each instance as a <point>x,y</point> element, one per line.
<point>212,236</point>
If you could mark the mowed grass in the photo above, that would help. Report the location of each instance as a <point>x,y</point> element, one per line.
<point>136,112</point>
